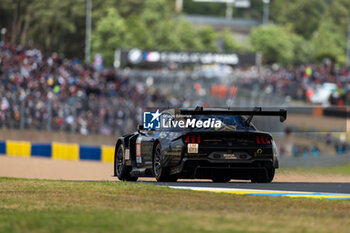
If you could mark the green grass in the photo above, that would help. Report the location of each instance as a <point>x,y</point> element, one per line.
<point>335,170</point>
<point>64,206</point>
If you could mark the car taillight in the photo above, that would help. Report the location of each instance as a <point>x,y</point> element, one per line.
<point>193,139</point>
<point>262,140</point>
<point>257,140</point>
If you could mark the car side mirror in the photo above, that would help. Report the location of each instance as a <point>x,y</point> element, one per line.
<point>140,127</point>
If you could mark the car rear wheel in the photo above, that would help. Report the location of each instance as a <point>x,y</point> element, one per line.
<point>121,170</point>
<point>267,178</point>
<point>160,173</point>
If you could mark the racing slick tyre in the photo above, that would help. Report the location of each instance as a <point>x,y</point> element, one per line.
<point>160,173</point>
<point>122,171</point>
<point>221,179</point>
<point>264,179</point>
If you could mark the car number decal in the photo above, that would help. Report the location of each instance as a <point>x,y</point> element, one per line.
<point>192,148</point>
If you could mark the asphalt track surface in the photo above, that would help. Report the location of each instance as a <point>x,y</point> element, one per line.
<point>280,186</point>
<point>325,186</point>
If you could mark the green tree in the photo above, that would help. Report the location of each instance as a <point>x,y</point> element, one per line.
<point>163,36</point>
<point>109,34</point>
<point>138,35</point>
<point>339,11</point>
<point>274,43</point>
<point>302,16</point>
<point>157,16</point>
<point>229,42</point>
<point>155,11</point>
<point>187,35</point>
<point>302,49</point>
<point>329,42</point>
<point>55,24</point>
<point>51,25</point>
<point>209,38</point>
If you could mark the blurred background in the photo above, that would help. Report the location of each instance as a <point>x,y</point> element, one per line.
<point>82,71</point>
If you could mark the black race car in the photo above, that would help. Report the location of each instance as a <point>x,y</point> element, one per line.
<point>233,149</point>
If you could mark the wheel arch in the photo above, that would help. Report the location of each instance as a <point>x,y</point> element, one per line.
<point>156,142</point>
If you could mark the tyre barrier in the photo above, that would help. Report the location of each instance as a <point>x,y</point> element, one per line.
<point>57,151</point>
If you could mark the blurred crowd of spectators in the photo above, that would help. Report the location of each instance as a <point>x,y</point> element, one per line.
<point>301,82</point>
<point>50,92</point>
<point>53,93</point>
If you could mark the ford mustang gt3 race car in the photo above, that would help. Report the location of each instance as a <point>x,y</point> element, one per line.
<point>217,144</point>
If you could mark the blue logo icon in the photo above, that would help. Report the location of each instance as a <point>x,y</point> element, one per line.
<point>151,120</point>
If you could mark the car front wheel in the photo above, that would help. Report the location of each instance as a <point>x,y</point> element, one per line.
<point>121,170</point>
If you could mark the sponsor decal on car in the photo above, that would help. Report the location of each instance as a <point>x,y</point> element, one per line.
<point>127,154</point>
<point>138,150</point>
<point>153,120</point>
<point>230,156</point>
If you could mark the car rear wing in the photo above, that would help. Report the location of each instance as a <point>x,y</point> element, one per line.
<point>282,113</point>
